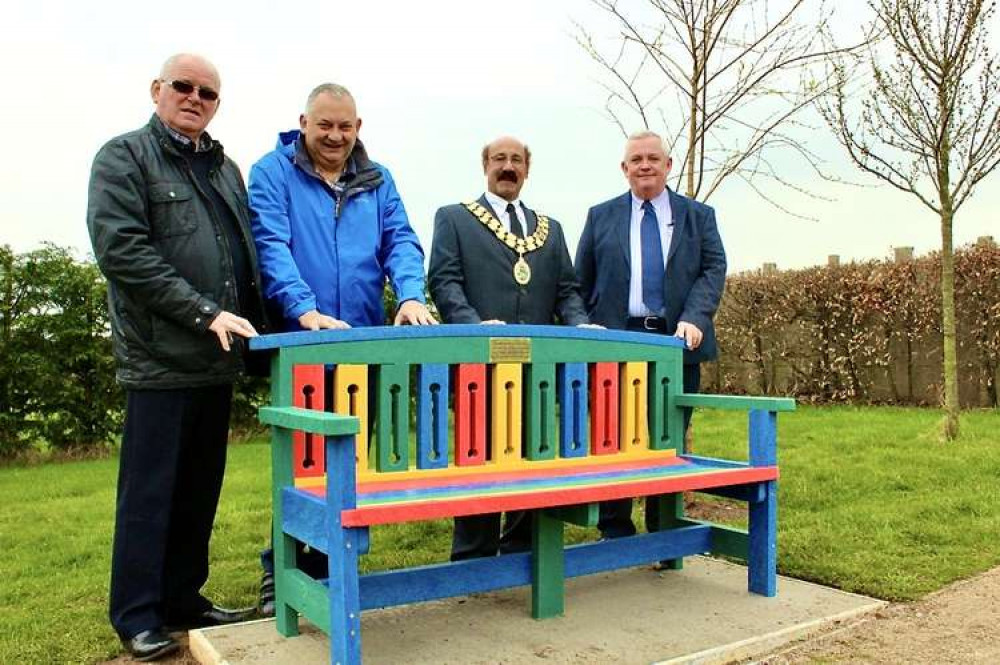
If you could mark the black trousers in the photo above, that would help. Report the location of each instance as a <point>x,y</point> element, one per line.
<point>616,516</point>
<point>478,536</point>
<point>173,458</point>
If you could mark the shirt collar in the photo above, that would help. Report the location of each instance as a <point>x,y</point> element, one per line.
<point>500,203</point>
<point>204,141</point>
<point>660,201</point>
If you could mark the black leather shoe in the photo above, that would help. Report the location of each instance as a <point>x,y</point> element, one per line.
<point>266,605</point>
<point>151,645</point>
<point>213,616</point>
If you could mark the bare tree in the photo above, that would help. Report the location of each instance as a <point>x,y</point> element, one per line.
<point>725,78</point>
<point>928,124</point>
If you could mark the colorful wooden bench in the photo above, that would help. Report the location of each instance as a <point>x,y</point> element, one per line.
<point>599,415</point>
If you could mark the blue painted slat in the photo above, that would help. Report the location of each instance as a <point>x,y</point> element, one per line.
<point>763,438</point>
<point>714,462</point>
<point>762,560</point>
<point>304,519</point>
<point>573,418</point>
<point>584,477</point>
<point>432,416</point>
<point>410,585</point>
<point>636,550</point>
<point>345,606</point>
<point>306,337</point>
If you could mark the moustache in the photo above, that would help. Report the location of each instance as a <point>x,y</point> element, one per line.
<point>507,175</point>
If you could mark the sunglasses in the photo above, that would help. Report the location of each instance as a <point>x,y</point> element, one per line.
<point>185,88</point>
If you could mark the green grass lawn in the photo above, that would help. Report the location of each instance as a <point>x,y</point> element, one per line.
<point>871,501</point>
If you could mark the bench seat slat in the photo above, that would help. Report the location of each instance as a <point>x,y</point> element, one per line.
<point>443,497</point>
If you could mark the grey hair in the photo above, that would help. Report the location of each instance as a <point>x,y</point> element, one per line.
<point>333,89</point>
<point>172,61</point>
<point>649,134</point>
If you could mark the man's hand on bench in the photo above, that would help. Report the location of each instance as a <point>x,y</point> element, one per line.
<point>690,333</point>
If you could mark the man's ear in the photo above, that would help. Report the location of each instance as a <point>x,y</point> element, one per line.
<point>154,90</point>
<point>302,122</point>
<point>359,125</point>
<point>624,169</point>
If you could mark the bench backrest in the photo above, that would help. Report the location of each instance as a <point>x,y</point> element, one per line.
<point>515,397</point>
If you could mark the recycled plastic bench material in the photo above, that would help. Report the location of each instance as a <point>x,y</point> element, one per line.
<point>543,418</point>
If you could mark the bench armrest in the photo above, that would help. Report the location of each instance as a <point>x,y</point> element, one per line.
<point>735,402</point>
<point>309,420</point>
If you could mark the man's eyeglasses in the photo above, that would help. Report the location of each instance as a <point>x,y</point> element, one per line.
<point>185,88</point>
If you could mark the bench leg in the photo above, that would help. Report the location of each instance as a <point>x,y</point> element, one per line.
<point>667,509</point>
<point>285,617</point>
<point>548,580</point>
<point>343,542</point>
<point>345,602</point>
<point>763,555</point>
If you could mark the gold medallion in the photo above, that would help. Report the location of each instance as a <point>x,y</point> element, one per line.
<point>522,271</point>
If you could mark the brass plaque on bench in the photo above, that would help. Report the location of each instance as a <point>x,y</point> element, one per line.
<point>510,350</point>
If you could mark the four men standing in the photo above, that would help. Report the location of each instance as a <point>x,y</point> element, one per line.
<point>170,225</point>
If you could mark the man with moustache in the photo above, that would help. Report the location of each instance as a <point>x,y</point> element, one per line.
<point>496,261</point>
<point>168,219</point>
<point>330,228</point>
<point>652,261</point>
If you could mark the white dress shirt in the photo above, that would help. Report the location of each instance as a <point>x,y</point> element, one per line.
<point>499,206</point>
<point>664,218</point>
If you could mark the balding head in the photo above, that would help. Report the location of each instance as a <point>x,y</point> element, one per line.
<point>334,90</point>
<point>186,94</point>
<point>181,60</point>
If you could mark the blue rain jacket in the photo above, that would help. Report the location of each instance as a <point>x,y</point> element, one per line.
<point>326,249</point>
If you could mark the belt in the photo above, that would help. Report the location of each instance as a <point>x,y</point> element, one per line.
<point>652,323</point>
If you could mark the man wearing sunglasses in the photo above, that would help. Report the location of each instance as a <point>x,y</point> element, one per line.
<point>168,220</point>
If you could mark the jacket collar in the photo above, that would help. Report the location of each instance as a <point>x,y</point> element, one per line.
<point>169,141</point>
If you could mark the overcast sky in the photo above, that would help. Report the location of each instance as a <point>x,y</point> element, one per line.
<point>434,81</point>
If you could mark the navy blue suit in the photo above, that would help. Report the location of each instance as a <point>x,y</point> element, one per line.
<point>692,287</point>
<point>693,280</point>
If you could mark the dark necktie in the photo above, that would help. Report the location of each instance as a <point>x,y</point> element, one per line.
<point>515,224</point>
<point>652,260</point>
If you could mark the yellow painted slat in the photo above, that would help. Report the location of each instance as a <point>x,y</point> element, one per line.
<point>471,471</point>
<point>350,396</point>
<point>632,415</point>
<point>505,411</point>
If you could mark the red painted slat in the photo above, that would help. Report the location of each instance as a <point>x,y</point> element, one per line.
<point>425,510</point>
<point>308,392</point>
<point>603,408</point>
<point>470,414</point>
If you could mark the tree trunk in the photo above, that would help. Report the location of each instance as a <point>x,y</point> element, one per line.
<point>951,405</point>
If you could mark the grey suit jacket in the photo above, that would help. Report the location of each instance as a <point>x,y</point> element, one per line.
<point>471,274</point>
<point>693,280</point>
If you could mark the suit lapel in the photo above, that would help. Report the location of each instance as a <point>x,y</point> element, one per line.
<point>678,211</point>
<point>530,220</point>
<point>621,217</point>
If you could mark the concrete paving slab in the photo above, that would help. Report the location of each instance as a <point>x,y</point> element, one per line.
<point>702,614</point>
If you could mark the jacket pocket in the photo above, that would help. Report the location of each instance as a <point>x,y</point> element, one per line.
<point>172,209</point>
<point>182,349</point>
